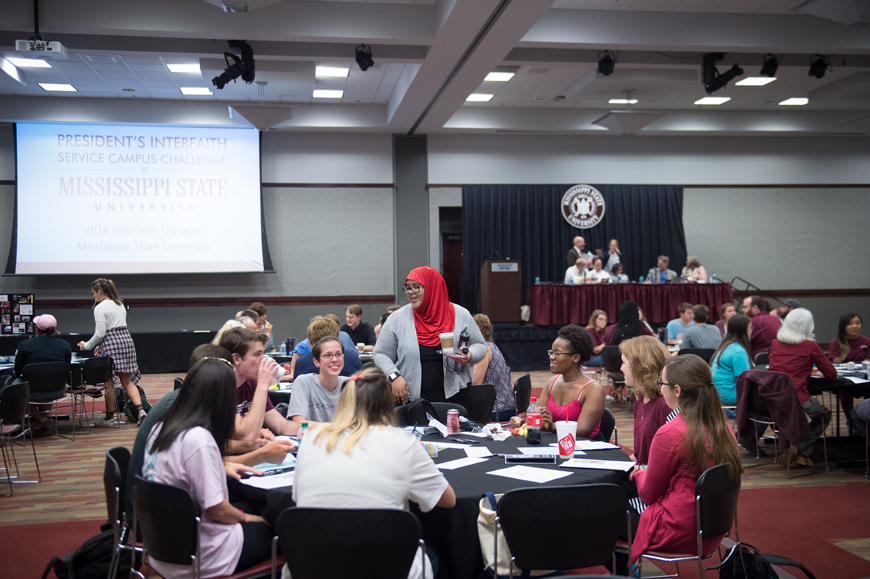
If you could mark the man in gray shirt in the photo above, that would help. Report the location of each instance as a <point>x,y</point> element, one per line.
<point>701,335</point>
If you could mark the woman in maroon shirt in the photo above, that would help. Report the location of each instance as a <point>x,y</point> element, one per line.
<point>643,359</point>
<point>595,328</point>
<point>794,352</point>
<point>850,346</point>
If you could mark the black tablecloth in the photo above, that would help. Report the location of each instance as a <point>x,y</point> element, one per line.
<point>559,304</point>
<point>453,532</point>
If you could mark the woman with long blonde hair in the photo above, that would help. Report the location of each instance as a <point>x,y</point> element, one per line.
<point>697,439</point>
<point>362,460</point>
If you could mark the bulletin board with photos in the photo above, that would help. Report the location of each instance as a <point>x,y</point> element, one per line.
<point>16,314</point>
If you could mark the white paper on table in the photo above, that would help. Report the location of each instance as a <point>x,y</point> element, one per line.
<point>459,463</point>
<point>477,434</point>
<point>623,465</point>
<point>856,379</point>
<point>478,452</point>
<point>270,482</point>
<point>289,462</point>
<point>442,445</point>
<point>434,422</point>
<point>551,450</point>
<point>593,445</point>
<point>530,474</point>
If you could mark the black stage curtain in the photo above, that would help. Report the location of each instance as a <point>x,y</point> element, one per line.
<point>524,222</point>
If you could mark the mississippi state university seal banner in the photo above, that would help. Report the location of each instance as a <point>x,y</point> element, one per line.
<point>583,206</point>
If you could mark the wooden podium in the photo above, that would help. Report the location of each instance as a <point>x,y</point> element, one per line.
<point>501,290</point>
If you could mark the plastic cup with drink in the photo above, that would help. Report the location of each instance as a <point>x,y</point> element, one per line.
<point>566,432</point>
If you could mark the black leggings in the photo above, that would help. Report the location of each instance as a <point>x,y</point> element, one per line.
<point>256,542</point>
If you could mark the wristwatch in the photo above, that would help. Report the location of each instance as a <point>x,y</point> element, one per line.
<point>393,375</point>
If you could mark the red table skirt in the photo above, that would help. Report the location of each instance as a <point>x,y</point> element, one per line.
<point>559,304</point>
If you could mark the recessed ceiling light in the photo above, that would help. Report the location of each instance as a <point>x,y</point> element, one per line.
<point>622,102</point>
<point>712,100</point>
<point>331,71</point>
<point>50,86</point>
<point>479,98</point>
<point>196,91</point>
<point>795,102</point>
<point>328,94</point>
<point>29,63</point>
<point>755,81</point>
<point>499,76</point>
<point>183,67</point>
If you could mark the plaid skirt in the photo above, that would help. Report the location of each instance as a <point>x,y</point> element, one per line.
<point>119,345</point>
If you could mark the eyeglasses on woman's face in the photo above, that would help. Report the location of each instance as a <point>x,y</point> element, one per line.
<point>556,354</point>
<point>661,383</point>
<point>328,357</point>
<point>413,289</point>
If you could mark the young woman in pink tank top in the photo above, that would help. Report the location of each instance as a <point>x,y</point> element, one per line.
<point>572,395</point>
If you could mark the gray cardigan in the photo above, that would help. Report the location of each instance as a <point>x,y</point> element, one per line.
<point>397,349</point>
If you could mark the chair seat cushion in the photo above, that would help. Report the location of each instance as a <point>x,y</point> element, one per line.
<point>258,569</point>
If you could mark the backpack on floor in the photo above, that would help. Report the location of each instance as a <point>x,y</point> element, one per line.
<point>126,407</point>
<point>91,560</point>
<point>749,563</point>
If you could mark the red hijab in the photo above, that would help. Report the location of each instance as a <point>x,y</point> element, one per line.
<point>435,315</point>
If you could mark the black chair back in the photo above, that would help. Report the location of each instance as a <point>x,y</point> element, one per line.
<point>114,482</point>
<point>283,359</point>
<point>523,392</point>
<point>97,370</point>
<point>762,359</point>
<point>13,403</point>
<point>177,383</point>
<point>612,358</point>
<point>441,409</point>
<point>703,353</point>
<point>47,380</point>
<point>482,400</point>
<point>168,518</point>
<point>607,424</point>
<point>414,414</point>
<point>575,526</point>
<point>341,543</point>
<point>716,494</point>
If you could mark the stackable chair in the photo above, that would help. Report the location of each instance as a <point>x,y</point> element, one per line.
<point>703,353</point>
<point>114,483</point>
<point>608,426</point>
<point>342,543</point>
<point>96,379</point>
<point>574,526</point>
<point>170,521</point>
<point>715,514</point>
<point>481,398</point>
<point>523,392</point>
<point>48,387</point>
<point>13,410</point>
<point>612,364</point>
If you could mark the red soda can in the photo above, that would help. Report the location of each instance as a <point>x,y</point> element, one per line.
<point>287,367</point>
<point>452,421</point>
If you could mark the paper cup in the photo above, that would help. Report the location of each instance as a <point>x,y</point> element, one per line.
<point>446,342</point>
<point>565,433</point>
<point>360,346</point>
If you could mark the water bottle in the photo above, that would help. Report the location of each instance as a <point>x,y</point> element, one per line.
<point>537,279</point>
<point>302,432</point>
<point>640,280</point>
<point>533,423</point>
<point>713,279</point>
<point>283,349</point>
<point>683,278</point>
<point>571,280</point>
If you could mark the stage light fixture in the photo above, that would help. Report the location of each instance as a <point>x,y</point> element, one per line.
<point>241,66</point>
<point>713,81</point>
<point>818,66</point>
<point>769,65</point>
<point>364,57</point>
<point>606,62</point>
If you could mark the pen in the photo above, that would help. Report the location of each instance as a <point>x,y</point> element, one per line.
<point>467,441</point>
<point>278,471</point>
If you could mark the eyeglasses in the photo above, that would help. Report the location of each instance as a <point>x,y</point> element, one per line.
<point>413,289</point>
<point>327,357</point>
<point>660,384</point>
<point>554,354</point>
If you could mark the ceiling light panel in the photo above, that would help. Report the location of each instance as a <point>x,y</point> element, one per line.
<point>327,94</point>
<point>28,62</point>
<point>622,102</point>
<point>331,71</point>
<point>55,87</point>
<point>184,68</point>
<point>499,77</point>
<point>795,102</point>
<point>196,91</point>
<point>755,81</point>
<point>479,98</point>
<point>706,101</point>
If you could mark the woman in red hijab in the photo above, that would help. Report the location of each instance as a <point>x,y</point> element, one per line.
<point>408,349</point>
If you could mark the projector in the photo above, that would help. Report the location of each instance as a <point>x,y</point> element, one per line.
<point>50,50</point>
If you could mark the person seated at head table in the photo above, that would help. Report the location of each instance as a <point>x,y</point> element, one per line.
<point>678,326</point>
<point>682,449</point>
<point>596,328</point>
<point>731,358</point>
<point>571,394</point>
<point>643,359</point>
<point>255,373</point>
<point>304,347</point>
<point>764,326</point>
<point>794,352</point>
<point>359,331</point>
<point>701,335</point>
<point>493,370</point>
<point>617,275</point>
<point>45,346</point>
<point>850,346</point>
<point>694,271</point>
<point>318,329</point>
<point>315,395</point>
<point>240,456</point>
<point>575,273</point>
<point>596,274</point>
<point>361,460</point>
<point>263,326</point>
<point>185,449</point>
<point>409,347</point>
<point>660,273</point>
<point>725,313</point>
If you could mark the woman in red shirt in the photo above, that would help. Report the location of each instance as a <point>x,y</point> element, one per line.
<point>681,451</point>
<point>794,352</point>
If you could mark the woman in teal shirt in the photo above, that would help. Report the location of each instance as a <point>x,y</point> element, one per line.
<point>731,358</point>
